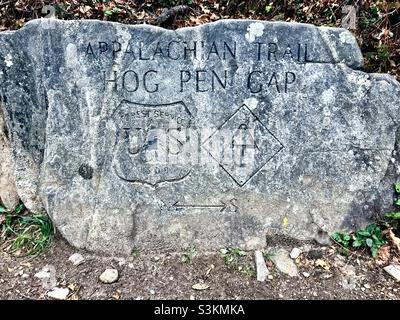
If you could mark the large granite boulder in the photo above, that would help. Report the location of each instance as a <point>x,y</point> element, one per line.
<point>141,137</point>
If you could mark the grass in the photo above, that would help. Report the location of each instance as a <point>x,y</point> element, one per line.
<point>189,255</point>
<point>30,234</point>
<point>236,258</point>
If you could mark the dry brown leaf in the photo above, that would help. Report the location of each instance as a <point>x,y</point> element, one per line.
<point>321,263</point>
<point>394,240</point>
<point>383,255</point>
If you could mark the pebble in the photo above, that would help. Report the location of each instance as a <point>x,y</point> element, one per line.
<point>367,286</point>
<point>109,276</point>
<point>76,259</point>
<point>43,274</point>
<point>283,263</point>
<point>270,277</point>
<point>152,292</point>
<point>295,253</point>
<point>306,274</point>
<point>59,293</point>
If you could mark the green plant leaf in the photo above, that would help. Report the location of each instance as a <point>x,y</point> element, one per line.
<point>268,8</point>
<point>357,243</point>
<point>20,207</point>
<point>374,251</point>
<point>2,209</point>
<point>363,233</point>
<point>397,188</point>
<point>393,215</point>
<point>369,242</point>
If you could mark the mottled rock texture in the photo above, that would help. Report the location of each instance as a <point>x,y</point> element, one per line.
<point>309,140</point>
<point>8,192</point>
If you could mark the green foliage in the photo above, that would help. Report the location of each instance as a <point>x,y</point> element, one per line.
<point>383,52</point>
<point>269,8</point>
<point>371,238</point>
<point>31,234</point>
<point>232,256</point>
<point>267,255</point>
<point>393,215</point>
<point>135,253</point>
<point>369,18</point>
<point>189,255</point>
<point>113,12</point>
<point>236,258</point>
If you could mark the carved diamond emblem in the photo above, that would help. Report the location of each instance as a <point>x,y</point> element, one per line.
<point>242,145</point>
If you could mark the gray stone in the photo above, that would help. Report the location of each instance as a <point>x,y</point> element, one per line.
<point>283,263</point>
<point>393,270</point>
<point>58,293</point>
<point>8,192</point>
<point>295,253</point>
<point>270,126</point>
<point>76,259</point>
<point>262,270</point>
<point>109,276</point>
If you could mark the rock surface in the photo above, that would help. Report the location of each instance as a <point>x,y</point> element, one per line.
<point>284,263</point>
<point>141,137</point>
<point>8,192</point>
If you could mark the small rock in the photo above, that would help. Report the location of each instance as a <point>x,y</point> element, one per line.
<point>270,277</point>
<point>393,270</point>
<point>109,276</point>
<point>192,297</point>
<point>367,286</point>
<point>43,274</point>
<point>76,259</point>
<point>200,286</point>
<point>262,270</point>
<point>152,292</point>
<point>130,265</point>
<point>59,293</point>
<point>283,262</point>
<point>25,275</point>
<point>295,253</point>
<point>306,274</point>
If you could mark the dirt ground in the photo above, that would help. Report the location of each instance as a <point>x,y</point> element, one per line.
<point>165,276</point>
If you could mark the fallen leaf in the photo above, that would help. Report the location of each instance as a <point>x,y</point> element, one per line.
<point>321,263</point>
<point>200,286</point>
<point>383,255</point>
<point>394,240</point>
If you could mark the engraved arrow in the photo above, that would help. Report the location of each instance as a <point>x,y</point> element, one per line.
<point>223,206</point>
